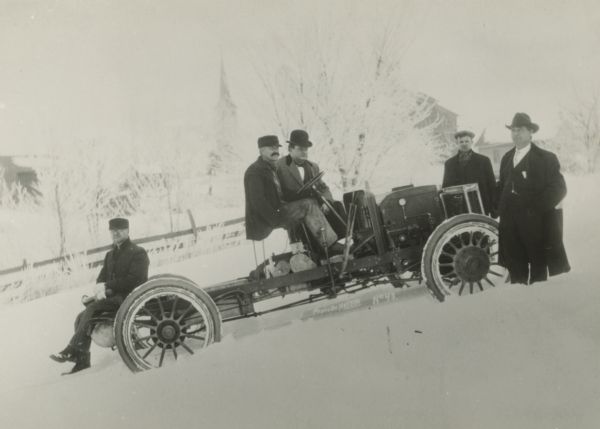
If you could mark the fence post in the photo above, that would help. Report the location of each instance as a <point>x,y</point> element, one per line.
<point>193,224</point>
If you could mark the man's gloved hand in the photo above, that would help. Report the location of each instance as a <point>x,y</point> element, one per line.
<point>325,208</point>
<point>100,291</point>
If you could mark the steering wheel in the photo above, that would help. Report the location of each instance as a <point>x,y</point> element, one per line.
<point>310,183</point>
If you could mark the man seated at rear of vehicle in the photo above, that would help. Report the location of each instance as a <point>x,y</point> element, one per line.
<point>295,170</point>
<point>266,208</point>
<point>125,267</point>
<point>470,167</point>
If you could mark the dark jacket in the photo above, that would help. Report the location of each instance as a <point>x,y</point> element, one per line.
<point>291,181</point>
<point>263,204</point>
<point>534,188</point>
<point>477,170</point>
<point>125,268</point>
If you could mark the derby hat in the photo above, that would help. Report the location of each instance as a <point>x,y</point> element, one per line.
<point>118,223</point>
<point>299,138</point>
<point>523,120</point>
<point>463,133</point>
<point>265,141</point>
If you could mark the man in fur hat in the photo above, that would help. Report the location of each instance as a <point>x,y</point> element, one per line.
<point>125,267</point>
<point>530,190</point>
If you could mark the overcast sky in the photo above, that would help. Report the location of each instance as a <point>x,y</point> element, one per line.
<point>117,71</point>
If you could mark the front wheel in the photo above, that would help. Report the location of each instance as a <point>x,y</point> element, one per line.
<point>461,256</point>
<point>165,319</point>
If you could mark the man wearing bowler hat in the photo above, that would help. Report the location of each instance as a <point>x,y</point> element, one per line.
<point>531,188</point>
<point>470,167</point>
<point>295,170</point>
<point>125,267</point>
<point>266,208</point>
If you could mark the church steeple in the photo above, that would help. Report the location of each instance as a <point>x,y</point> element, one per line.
<point>224,95</point>
<point>223,157</point>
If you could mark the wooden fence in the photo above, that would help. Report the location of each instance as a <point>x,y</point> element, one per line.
<point>162,248</point>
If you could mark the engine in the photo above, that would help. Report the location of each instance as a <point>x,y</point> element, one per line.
<point>409,215</point>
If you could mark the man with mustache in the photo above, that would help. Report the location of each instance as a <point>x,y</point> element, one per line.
<point>266,208</point>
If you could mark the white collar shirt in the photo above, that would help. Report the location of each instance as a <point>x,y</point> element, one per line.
<point>300,171</point>
<point>520,154</point>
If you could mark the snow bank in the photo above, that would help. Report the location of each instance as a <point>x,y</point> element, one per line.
<point>516,356</point>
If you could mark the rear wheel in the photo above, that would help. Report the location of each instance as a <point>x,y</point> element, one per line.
<point>164,320</point>
<point>461,256</point>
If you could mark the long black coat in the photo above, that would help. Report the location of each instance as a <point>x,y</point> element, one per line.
<point>539,187</point>
<point>477,170</point>
<point>263,204</point>
<point>124,269</point>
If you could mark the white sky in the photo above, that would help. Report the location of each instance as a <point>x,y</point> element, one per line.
<point>117,72</point>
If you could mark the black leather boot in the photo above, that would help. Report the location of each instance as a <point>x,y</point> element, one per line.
<point>69,354</point>
<point>82,361</point>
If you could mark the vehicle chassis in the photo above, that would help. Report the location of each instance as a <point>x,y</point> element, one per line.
<point>454,254</point>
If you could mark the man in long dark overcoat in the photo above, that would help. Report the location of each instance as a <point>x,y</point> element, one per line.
<point>531,187</point>
<point>266,208</point>
<point>470,167</point>
<point>125,267</point>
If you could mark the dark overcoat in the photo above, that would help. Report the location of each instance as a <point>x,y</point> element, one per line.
<point>263,204</point>
<point>291,181</point>
<point>535,187</point>
<point>477,170</point>
<point>125,267</point>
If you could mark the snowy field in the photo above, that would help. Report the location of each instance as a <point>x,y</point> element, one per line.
<point>513,357</point>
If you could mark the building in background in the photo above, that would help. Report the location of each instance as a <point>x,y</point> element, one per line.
<point>444,122</point>
<point>494,151</point>
<point>18,170</point>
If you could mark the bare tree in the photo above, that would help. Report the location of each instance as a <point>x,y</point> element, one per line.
<point>79,186</point>
<point>345,88</point>
<point>581,130</point>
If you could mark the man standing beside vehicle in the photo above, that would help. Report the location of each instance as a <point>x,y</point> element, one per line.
<point>531,188</point>
<point>470,167</point>
<point>295,170</point>
<point>125,267</point>
<point>266,208</point>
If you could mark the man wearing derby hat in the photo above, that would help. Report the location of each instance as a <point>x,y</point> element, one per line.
<point>530,190</point>
<point>266,208</point>
<point>125,267</point>
<point>470,167</point>
<point>294,170</point>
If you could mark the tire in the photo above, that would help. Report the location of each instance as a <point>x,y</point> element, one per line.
<point>165,318</point>
<point>168,276</point>
<point>461,257</point>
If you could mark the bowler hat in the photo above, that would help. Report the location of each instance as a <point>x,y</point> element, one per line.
<point>523,120</point>
<point>268,141</point>
<point>463,133</point>
<point>299,138</point>
<point>118,223</point>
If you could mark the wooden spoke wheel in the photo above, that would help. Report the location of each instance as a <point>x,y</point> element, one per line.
<point>164,320</point>
<point>461,257</point>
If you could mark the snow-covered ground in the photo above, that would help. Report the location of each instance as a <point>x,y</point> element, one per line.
<point>516,356</point>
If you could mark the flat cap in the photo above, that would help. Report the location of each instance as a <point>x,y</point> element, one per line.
<point>463,133</point>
